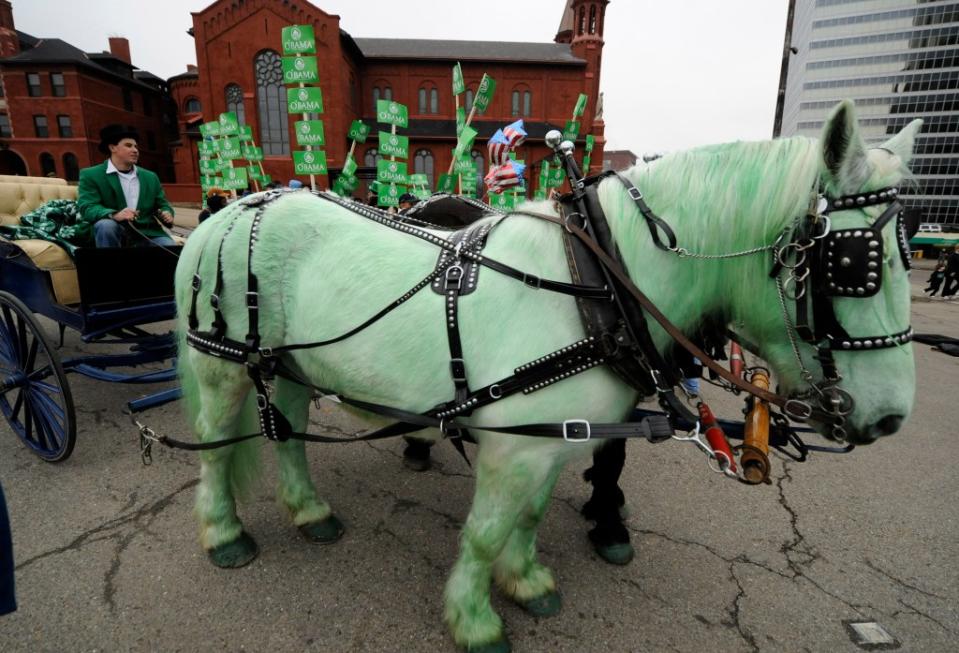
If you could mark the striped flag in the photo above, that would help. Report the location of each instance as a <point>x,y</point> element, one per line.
<point>515,134</point>
<point>503,176</point>
<point>498,148</point>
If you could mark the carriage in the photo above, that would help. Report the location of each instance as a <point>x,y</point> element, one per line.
<point>107,296</point>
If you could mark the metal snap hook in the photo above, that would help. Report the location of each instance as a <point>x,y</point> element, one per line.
<point>797,410</point>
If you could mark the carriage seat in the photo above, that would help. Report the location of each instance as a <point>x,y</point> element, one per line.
<point>24,195</point>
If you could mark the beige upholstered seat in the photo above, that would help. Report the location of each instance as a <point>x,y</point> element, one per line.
<point>24,195</point>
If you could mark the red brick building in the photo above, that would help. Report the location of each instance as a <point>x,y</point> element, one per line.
<point>55,99</point>
<point>238,69</point>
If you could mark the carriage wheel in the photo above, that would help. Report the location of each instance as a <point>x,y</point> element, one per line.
<point>34,394</point>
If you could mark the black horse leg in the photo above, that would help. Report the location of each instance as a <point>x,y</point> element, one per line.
<point>609,537</point>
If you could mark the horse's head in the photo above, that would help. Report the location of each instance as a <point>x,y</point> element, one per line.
<point>855,312</point>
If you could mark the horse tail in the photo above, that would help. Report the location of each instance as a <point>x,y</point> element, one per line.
<point>244,456</point>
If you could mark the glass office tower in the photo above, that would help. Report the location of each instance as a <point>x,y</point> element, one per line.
<point>898,60</point>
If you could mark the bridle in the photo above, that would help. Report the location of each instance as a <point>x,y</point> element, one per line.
<point>821,264</point>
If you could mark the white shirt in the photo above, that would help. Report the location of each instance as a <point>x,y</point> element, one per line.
<point>129,182</point>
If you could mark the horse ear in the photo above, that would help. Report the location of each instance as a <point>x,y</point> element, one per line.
<point>901,144</point>
<point>844,151</point>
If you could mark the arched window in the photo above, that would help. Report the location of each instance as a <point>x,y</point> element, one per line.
<point>234,102</point>
<point>479,162</point>
<point>423,164</point>
<point>522,102</point>
<point>47,164</point>
<point>385,93</point>
<point>429,99</point>
<point>371,157</point>
<point>271,103</point>
<point>192,105</point>
<point>469,100</point>
<point>71,167</point>
<point>592,19</point>
<point>582,21</point>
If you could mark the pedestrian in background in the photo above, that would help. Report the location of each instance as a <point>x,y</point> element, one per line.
<point>951,274</point>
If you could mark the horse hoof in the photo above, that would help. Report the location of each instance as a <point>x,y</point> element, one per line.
<point>546,605</point>
<point>617,554</point>
<point>500,646</point>
<point>325,531</point>
<point>235,554</point>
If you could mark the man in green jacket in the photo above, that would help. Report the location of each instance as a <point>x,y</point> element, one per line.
<point>124,203</point>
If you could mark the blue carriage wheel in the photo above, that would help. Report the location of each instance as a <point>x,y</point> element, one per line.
<point>34,394</point>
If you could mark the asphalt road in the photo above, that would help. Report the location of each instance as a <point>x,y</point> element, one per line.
<point>107,555</point>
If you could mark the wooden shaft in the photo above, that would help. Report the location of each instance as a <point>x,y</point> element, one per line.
<point>755,450</point>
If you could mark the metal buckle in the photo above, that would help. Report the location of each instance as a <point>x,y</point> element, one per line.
<point>454,276</point>
<point>215,302</point>
<point>566,435</point>
<point>262,401</point>
<point>458,369</point>
<point>252,300</point>
<point>634,193</point>
<point>196,282</point>
<point>797,410</point>
<point>266,352</point>
<point>495,392</point>
<point>532,281</point>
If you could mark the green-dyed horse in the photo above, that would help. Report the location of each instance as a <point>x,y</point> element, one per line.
<point>322,270</point>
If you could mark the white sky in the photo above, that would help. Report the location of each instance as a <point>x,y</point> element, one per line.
<point>675,74</point>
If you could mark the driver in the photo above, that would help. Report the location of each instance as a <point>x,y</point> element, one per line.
<point>120,199</point>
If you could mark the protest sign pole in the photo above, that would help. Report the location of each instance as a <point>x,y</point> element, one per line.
<point>309,148</point>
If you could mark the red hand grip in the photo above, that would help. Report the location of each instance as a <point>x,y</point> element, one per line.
<point>716,438</point>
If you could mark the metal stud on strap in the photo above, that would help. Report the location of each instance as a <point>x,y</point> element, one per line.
<point>634,193</point>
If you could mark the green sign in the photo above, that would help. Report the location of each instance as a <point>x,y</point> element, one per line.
<point>205,148</point>
<point>389,194</point>
<point>252,153</point>
<point>298,39</point>
<point>468,191</point>
<point>484,94</point>
<point>421,193</point>
<point>309,163</point>
<point>460,120</point>
<point>359,130</point>
<point>556,178</point>
<point>539,195</point>
<point>590,141</point>
<point>229,147</point>
<point>586,162</point>
<point>469,180</point>
<point>266,180</point>
<point>463,164</point>
<point>304,100</point>
<point>210,129</point>
<point>446,184</point>
<point>465,141</point>
<point>544,173</point>
<point>571,131</point>
<point>349,183</point>
<point>309,132</point>
<point>394,145</point>
<point>246,133</point>
<point>580,105</point>
<point>349,166</point>
<point>235,179</point>
<point>459,86</point>
<point>253,172</point>
<point>223,164</point>
<point>229,125</point>
<point>392,113</point>
<point>300,70</point>
<point>209,167</point>
<point>391,172</point>
<point>210,181</point>
<point>418,179</point>
<point>503,201</point>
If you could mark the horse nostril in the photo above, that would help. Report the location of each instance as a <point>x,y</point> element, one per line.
<point>887,425</point>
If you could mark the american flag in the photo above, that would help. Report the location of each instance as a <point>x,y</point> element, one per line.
<point>515,134</point>
<point>502,176</point>
<point>498,148</point>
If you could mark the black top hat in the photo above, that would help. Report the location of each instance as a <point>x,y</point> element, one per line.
<point>407,197</point>
<point>113,134</point>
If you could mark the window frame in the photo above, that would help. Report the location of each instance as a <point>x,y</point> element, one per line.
<point>37,126</point>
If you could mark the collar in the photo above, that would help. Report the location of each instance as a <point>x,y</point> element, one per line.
<point>113,169</point>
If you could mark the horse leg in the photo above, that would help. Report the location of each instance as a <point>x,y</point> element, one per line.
<point>221,391</point>
<point>310,514</point>
<point>516,570</point>
<point>610,538</point>
<point>506,480</point>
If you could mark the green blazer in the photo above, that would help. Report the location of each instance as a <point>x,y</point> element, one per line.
<point>99,196</point>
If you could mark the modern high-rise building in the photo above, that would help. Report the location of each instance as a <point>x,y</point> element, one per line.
<point>898,60</point>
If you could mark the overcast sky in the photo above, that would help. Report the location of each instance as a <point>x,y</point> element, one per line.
<point>675,74</point>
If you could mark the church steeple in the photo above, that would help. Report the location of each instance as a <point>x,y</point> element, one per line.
<point>583,20</point>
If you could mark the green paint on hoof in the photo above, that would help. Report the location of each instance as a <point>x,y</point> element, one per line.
<point>546,605</point>
<point>500,646</point>
<point>617,554</point>
<point>238,553</point>
<point>325,531</point>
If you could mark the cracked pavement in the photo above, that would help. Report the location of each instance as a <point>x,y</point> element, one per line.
<point>107,555</point>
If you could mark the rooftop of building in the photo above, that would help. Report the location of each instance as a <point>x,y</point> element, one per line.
<point>553,53</point>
